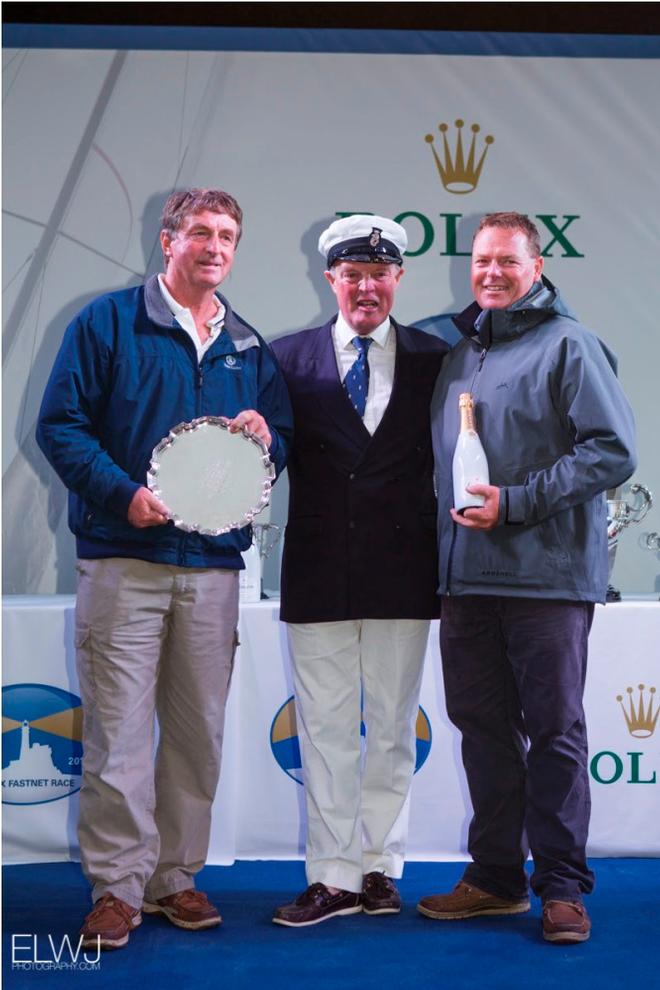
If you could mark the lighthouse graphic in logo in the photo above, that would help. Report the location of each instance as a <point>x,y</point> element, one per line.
<point>41,744</point>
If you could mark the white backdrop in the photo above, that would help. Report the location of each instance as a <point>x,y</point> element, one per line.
<point>259,810</point>
<point>95,139</point>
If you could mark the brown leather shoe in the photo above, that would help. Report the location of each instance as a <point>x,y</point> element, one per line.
<point>379,894</point>
<point>189,909</point>
<point>466,901</point>
<point>565,922</point>
<point>317,904</point>
<point>109,923</point>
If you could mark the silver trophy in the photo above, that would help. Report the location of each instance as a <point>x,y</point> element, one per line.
<point>653,541</point>
<point>265,536</point>
<point>621,514</point>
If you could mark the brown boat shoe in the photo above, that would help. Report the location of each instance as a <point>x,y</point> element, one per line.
<point>109,923</point>
<point>565,922</point>
<point>190,909</point>
<point>379,894</point>
<point>317,904</point>
<point>466,901</point>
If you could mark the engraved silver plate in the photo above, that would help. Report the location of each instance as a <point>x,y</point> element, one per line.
<point>211,480</point>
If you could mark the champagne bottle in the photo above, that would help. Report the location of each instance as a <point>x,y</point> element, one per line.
<point>469,465</point>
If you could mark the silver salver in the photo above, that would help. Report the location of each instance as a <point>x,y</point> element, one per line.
<point>211,480</point>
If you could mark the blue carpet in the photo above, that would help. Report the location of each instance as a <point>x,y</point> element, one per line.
<point>358,951</point>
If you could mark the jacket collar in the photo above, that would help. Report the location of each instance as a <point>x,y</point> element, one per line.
<point>485,326</point>
<point>241,334</point>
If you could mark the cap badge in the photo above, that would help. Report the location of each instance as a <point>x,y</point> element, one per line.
<point>374,240</point>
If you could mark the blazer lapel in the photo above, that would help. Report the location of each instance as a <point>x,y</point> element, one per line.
<point>331,393</point>
<point>401,381</point>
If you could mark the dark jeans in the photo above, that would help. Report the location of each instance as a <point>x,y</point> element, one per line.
<point>514,671</point>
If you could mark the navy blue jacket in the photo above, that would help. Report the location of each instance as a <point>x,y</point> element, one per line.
<point>125,375</point>
<point>360,540</point>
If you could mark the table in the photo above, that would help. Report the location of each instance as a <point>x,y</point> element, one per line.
<point>259,808</point>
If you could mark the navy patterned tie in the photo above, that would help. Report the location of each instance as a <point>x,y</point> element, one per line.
<point>356,382</point>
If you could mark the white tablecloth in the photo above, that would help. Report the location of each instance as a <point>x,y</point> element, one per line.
<point>259,808</point>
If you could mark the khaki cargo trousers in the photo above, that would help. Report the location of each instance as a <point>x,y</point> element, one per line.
<point>151,640</point>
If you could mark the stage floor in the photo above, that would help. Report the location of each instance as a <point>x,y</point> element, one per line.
<point>357,952</point>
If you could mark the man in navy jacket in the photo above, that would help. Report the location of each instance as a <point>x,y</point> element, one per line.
<point>359,569</point>
<point>157,607</point>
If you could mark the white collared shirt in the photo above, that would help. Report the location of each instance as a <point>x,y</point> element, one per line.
<point>381,357</point>
<point>185,319</point>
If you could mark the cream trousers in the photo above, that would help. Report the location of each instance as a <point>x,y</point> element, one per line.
<point>357,797</point>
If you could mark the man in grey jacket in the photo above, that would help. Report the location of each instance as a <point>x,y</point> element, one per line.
<point>520,575</point>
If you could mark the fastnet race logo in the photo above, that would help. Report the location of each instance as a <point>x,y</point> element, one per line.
<point>639,710</point>
<point>458,161</point>
<point>286,747</point>
<point>42,749</point>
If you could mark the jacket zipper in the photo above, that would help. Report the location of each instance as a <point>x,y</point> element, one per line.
<point>200,385</point>
<point>449,559</point>
<point>199,382</point>
<point>482,358</point>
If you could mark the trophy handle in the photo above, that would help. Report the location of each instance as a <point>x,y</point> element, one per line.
<point>264,541</point>
<point>641,508</point>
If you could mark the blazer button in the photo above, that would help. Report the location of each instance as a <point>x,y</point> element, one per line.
<point>351,525</point>
<point>351,477</point>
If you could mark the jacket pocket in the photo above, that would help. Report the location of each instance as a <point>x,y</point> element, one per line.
<point>554,544</point>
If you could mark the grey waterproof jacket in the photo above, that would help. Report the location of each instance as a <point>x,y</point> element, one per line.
<point>557,431</point>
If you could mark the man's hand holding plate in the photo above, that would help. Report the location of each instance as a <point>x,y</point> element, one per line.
<point>252,421</point>
<point>147,510</point>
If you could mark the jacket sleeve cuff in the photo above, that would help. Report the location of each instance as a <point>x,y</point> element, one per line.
<point>512,504</point>
<point>503,507</point>
<point>120,498</point>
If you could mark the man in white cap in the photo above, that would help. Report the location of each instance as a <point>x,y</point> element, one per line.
<point>359,570</point>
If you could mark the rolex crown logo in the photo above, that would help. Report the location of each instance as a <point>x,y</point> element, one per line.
<point>458,173</point>
<point>641,720</point>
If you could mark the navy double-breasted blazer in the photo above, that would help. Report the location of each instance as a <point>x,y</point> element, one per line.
<point>360,540</point>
